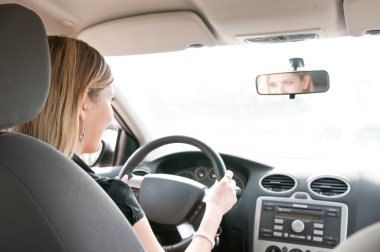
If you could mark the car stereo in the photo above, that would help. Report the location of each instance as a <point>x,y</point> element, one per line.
<point>298,223</point>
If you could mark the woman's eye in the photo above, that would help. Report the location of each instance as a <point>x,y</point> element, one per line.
<point>289,83</point>
<point>272,84</point>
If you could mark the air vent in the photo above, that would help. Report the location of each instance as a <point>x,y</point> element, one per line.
<point>278,183</point>
<point>329,187</point>
<point>140,172</point>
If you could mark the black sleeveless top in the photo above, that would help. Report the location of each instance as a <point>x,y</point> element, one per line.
<point>119,192</point>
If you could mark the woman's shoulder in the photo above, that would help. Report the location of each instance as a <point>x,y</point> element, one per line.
<point>118,191</point>
<point>82,164</point>
<point>123,196</point>
<point>112,185</point>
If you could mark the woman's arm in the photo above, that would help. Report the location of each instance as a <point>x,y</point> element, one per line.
<point>220,199</point>
<point>145,234</point>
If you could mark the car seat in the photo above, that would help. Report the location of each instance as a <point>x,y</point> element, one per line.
<point>46,202</point>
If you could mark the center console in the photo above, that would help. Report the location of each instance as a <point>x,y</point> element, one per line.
<point>298,224</point>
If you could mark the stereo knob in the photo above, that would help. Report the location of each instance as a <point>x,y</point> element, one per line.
<point>298,226</point>
<point>273,249</point>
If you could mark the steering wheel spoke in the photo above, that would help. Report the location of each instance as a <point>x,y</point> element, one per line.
<point>185,230</point>
<point>135,182</point>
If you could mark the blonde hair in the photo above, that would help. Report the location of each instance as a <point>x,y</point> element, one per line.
<point>310,86</point>
<point>76,68</point>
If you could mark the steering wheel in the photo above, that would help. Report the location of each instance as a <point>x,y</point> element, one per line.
<point>169,199</point>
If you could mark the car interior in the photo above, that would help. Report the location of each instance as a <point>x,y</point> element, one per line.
<point>300,188</point>
<point>37,202</point>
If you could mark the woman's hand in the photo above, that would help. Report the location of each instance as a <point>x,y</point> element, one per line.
<point>125,178</point>
<point>220,198</point>
<point>222,195</point>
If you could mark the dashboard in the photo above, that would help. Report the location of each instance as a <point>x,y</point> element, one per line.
<point>206,175</point>
<point>302,197</point>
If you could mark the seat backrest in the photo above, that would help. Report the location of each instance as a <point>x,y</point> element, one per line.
<point>46,202</point>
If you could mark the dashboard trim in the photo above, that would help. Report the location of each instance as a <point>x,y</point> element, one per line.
<point>313,178</point>
<point>261,245</point>
<point>279,173</point>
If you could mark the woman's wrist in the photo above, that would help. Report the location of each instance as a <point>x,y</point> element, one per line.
<point>214,211</point>
<point>206,236</point>
<point>211,221</point>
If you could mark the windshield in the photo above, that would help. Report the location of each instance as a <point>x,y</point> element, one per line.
<point>210,94</point>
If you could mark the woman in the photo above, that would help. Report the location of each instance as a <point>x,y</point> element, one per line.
<point>78,110</point>
<point>289,83</point>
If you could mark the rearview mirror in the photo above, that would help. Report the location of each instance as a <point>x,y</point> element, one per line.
<point>298,82</point>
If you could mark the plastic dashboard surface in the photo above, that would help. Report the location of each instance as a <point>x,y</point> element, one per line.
<point>362,200</point>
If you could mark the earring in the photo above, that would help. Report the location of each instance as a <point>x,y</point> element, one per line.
<point>82,132</point>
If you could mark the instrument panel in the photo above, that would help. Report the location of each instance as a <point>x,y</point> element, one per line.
<point>206,176</point>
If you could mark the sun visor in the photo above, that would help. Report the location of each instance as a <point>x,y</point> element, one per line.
<point>151,33</point>
<point>362,16</point>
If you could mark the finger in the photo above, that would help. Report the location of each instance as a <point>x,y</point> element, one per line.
<point>229,174</point>
<point>233,183</point>
<point>125,178</point>
<point>214,185</point>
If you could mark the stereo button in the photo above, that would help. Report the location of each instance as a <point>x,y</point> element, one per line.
<point>329,240</point>
<point>298,226</point>
<point>269,208</point>
<point>318,232</point>
<point>276,227</point>
<point>279,221</point>
<point>331,243</point>
<point>278,234</point>
<point>266,232</point>
<point>317,239</point>
<point>265,235</point>
<point>318,225</point>
<point>332,214</point>
<point>297,237</point>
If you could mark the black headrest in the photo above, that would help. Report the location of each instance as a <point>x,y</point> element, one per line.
<point>24,66</point>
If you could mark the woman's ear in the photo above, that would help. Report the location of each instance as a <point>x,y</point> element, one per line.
<point>84,107</point>
<point>306,81</point>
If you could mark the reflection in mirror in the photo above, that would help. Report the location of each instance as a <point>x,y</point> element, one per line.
<point>299,82</point>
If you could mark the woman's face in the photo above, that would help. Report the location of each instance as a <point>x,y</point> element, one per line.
<point>286,83</point>
<point>98,115</point>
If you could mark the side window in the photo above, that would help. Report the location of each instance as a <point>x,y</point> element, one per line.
<point>105,156</point>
